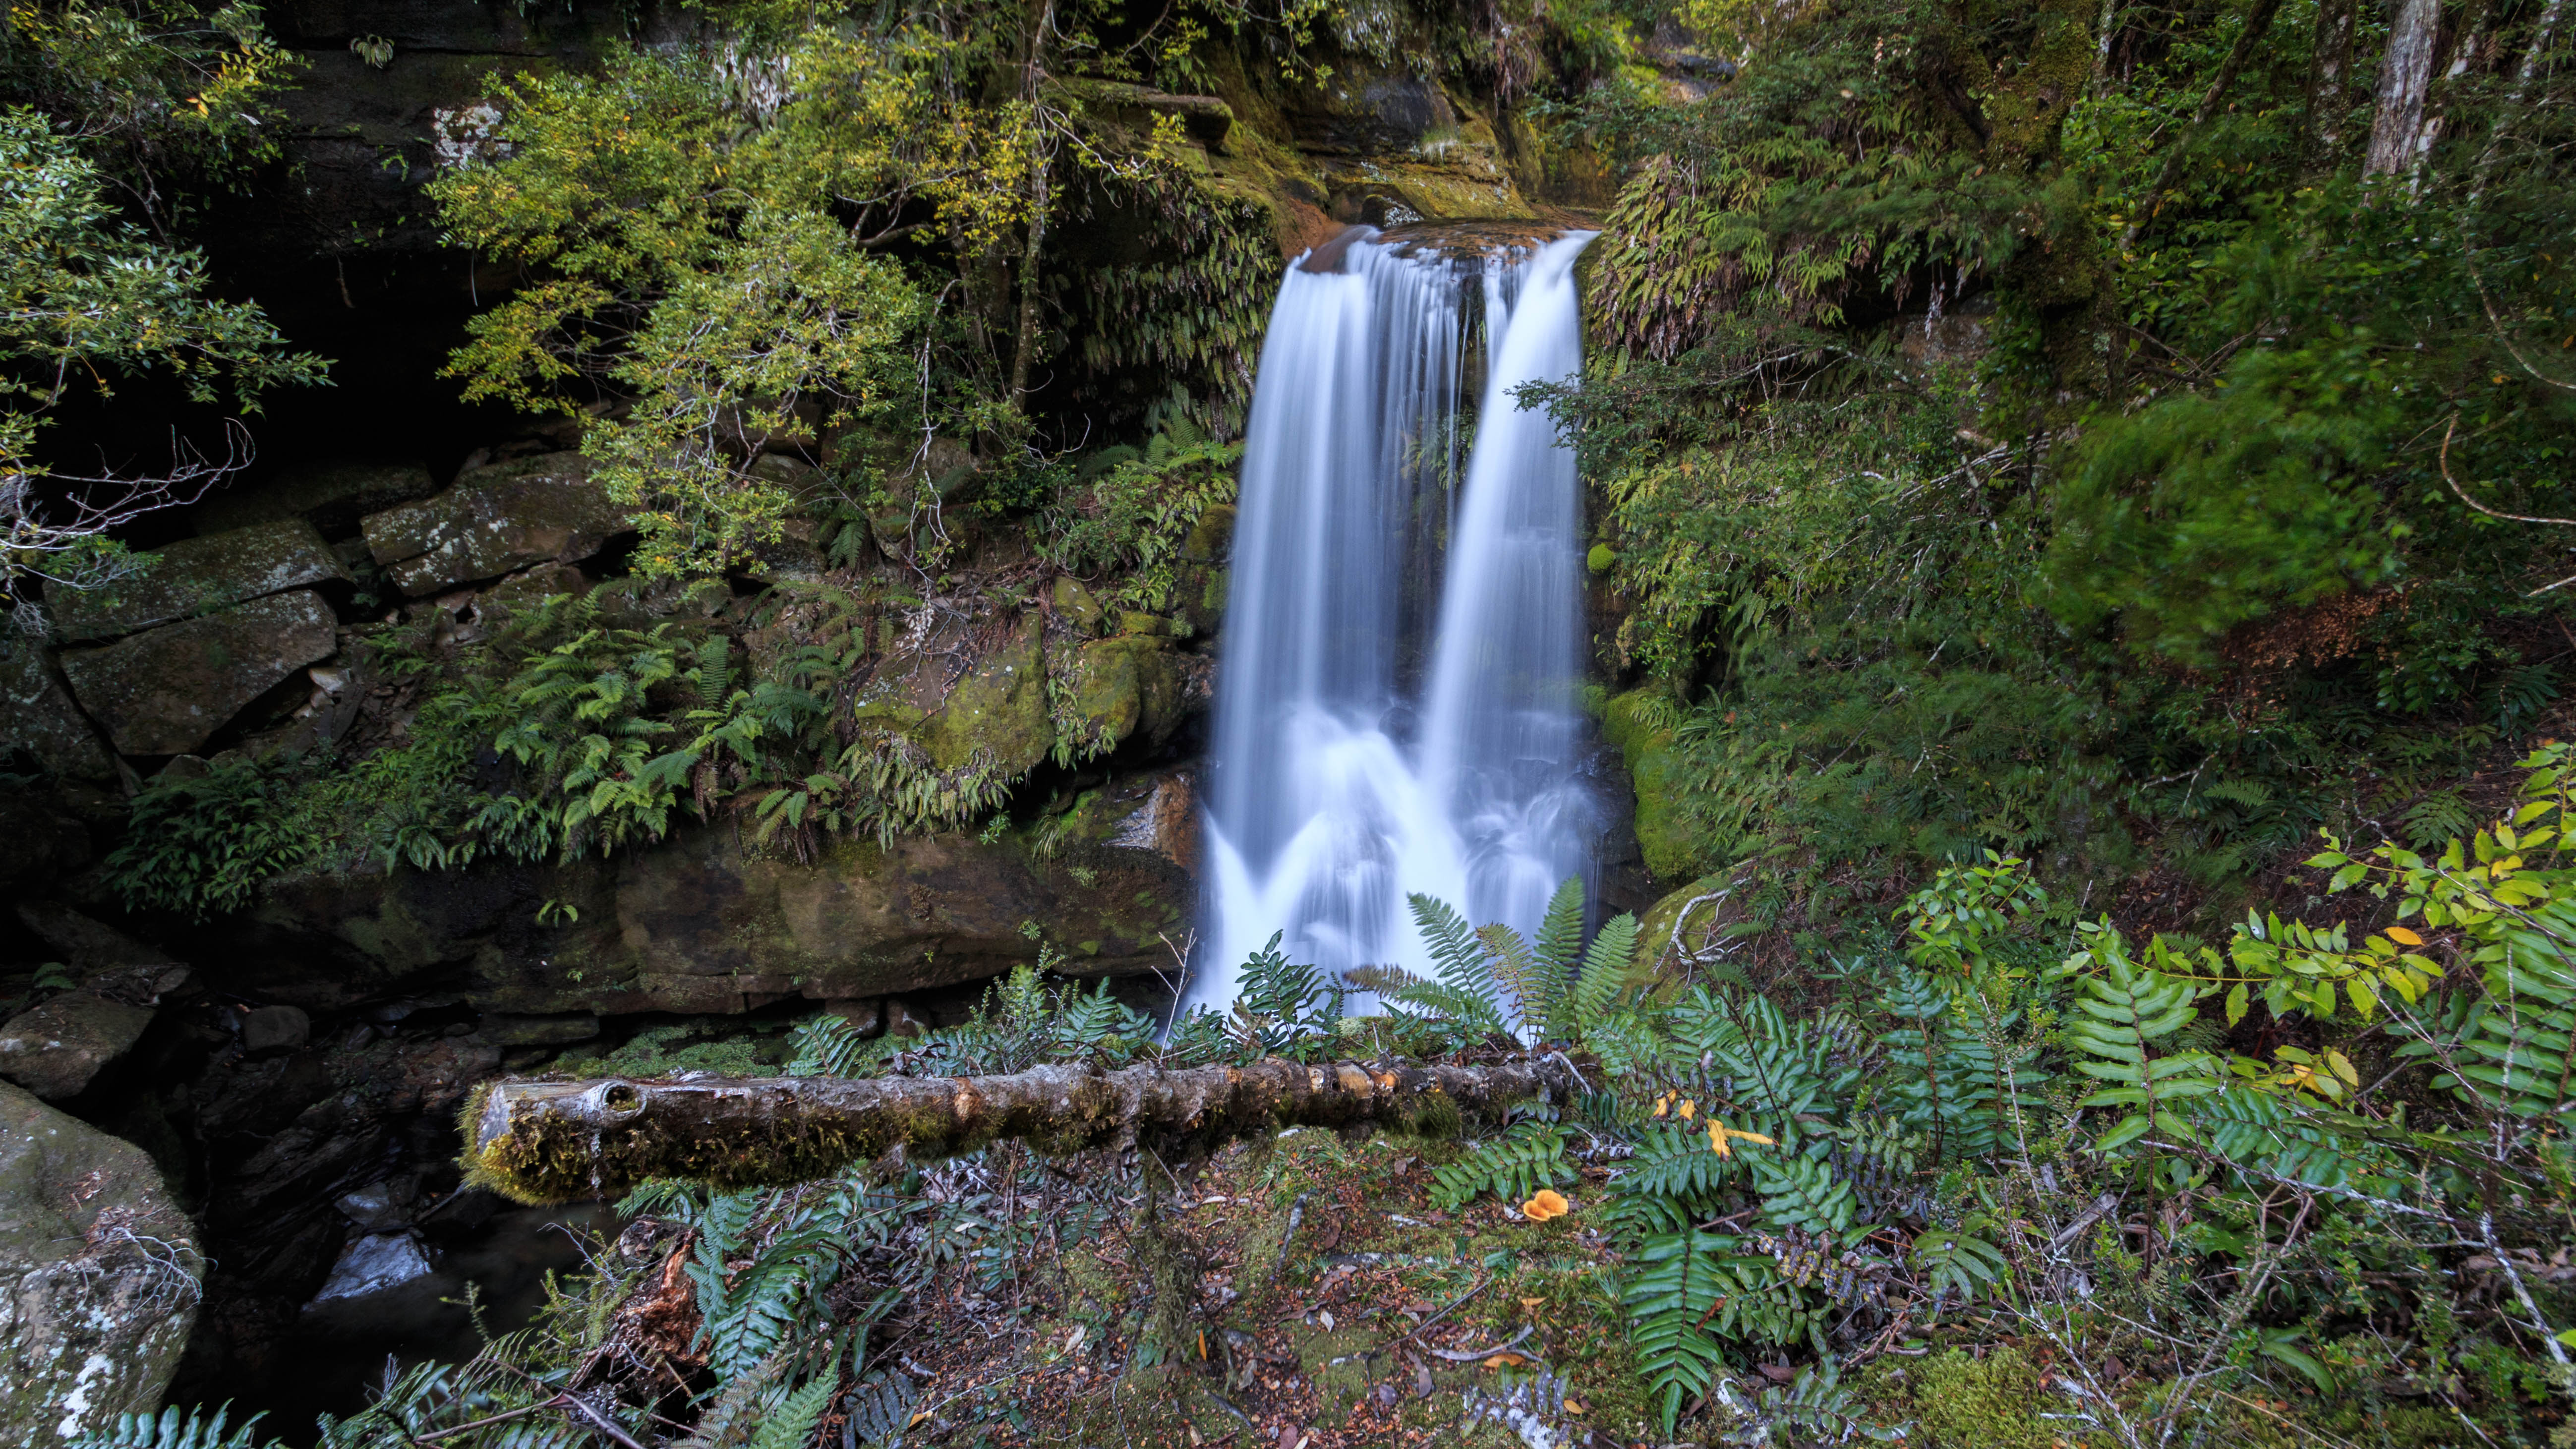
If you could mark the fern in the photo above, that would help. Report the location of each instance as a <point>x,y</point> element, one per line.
<point>1466,987</point>
<point>1684,1285</point>
<point>2126,1009</point>
<point>1281,1002</point>
<point>169,1431</point>
<point>880,1408</point>
<point>792,1423</point>
<point>1605,969</point>
<point>1511,1167</point>
<point>1802,1193</point>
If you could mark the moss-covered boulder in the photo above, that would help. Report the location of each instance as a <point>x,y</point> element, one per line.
<point>1122,689</point>
<point>1199,584</point>
<point>1678,928</point>
<point>197,575</point>
<point>99,1277</point>
<point>997,714</point>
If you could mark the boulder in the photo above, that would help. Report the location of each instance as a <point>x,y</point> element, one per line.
<point>108,961</point>
<point>99,1275</point>
<point>166,690</point>
<point>998,711</point>
<point>1077,605</point>
<point>200,575</point>
<point>275,1029</point>
<point>1199,583</point>
<point>1122,688</point>
<point>56,1048</point>
<point>496,519</point>
<point>332,496</point>
<point>39,724</point>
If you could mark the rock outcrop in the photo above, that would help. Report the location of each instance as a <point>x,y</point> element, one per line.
<point>167,690</point>
<point>698,924</point>
<point>199,575</point>
<point>40,726</point>
<point>496,519</point>
<point>99,1277</point>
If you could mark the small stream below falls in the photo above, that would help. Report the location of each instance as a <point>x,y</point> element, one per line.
<point>1378,735</point>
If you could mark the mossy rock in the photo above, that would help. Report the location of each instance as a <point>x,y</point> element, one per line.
<point>1655,928</point>
<point>998,711</point>
<point>1664,835</point>
<point>1076,605</point>
<point>1121,688</point>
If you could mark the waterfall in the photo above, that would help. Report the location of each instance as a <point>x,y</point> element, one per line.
<point>1338,786</point>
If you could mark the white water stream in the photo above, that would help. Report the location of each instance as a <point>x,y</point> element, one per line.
<point>1335,789</point>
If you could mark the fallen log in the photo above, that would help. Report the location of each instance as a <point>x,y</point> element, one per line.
<point>548,1141</point>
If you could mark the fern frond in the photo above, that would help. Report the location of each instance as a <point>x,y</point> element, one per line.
<point>1605,969</point>
<point>1511,1167</point>
<point>792,1423</point>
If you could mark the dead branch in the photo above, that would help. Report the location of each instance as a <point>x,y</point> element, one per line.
<point>541,1141</point>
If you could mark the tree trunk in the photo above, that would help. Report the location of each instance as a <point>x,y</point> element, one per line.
<point>2397,128</point>
<point>561,1141</point>
<point>2331,62</point>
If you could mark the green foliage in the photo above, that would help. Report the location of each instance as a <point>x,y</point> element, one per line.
<point>2127,1012</point>
<point>1130,515</point>
<point>169,1431</point>
<point>1967,1402</point>
<point>86,296</point>
<point>1283,1006</point>
<point>1553,988</point>
<point>1511,1167</point>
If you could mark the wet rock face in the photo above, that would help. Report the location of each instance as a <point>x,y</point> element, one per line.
<point>99,1277</point>
<point>198,575</point>
<point>166,691</point>
<point>495,519</point>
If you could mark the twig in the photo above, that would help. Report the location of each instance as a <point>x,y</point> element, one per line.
<point>1473,1354</point>
<point>1445,1312</point>
<point>2473,503</point>
<point>2557,1351</point>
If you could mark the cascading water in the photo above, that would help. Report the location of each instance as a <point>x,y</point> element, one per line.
<point>1328,803</point>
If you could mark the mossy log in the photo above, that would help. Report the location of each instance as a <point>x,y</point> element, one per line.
<point>542,1142</point>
